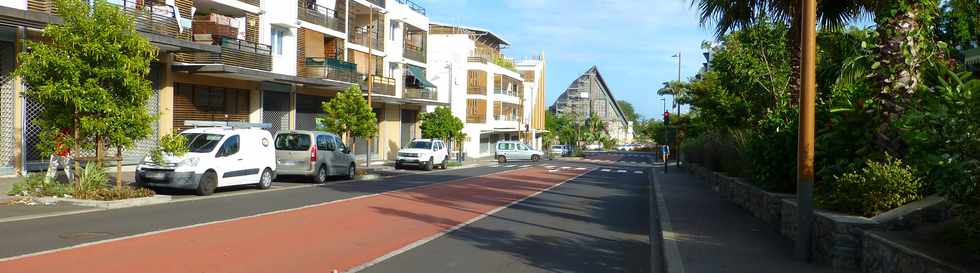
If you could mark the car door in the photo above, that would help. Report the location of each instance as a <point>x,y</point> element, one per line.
<point>342,155</point>
<point>523,152</point>
<point>324,154</point>
<point>231,162</point>
<point>442,154</point>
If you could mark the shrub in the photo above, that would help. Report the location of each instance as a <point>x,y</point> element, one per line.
<point>170,144</point>
<point>91,179</point>
<point>114,193</point>
<point>878,187</point>
<point>34,185</point>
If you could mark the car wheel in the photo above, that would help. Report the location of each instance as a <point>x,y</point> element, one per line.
<point>501,159</point>
<point>265,181</point>
<point>535,158</point>
<point>351,171</point>
<point>321,175</point>
<point>207,184</point>
<point>428,165</point>
<point>398,166</point>
<point>445,163</point>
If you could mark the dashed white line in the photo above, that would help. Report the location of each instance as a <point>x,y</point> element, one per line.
<point>579,169</point>
<point>565,168</point>
<point>605,170</point>
<point>549,167</point>
<point>511,166</point>
<point>621,171</point>
<point>525,166</point>
<point>638,172</point>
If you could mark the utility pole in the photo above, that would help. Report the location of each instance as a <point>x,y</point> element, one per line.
<point>677,150</point>
<point>804,186</point>
<point>370,80</point>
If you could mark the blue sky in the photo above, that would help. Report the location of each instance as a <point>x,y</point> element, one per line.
<point>630,41</point>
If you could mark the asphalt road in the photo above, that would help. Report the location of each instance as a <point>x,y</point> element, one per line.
<point>595,222</point>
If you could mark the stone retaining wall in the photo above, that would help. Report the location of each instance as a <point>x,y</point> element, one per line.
<point>883,256</point>
<point>838,239</point>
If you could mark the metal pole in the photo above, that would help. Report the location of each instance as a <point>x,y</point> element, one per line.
<point>804,186</point>
<point>370,81</point>
<point>677,150</point>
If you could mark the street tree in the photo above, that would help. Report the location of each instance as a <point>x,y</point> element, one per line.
<point>628,111</point>
<point>441,124</point>
<point>350,115</point>
<point>89,76</point>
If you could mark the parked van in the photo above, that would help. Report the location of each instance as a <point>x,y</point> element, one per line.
<point>218,157</point>
<point>314,154</point>
<point>513,150</point>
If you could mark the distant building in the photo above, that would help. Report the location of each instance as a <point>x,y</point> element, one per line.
<point>589,95</point>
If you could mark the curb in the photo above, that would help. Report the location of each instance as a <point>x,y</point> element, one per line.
<point>116,204</point>
<point>669,251</point>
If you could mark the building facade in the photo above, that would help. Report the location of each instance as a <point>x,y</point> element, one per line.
<point>532,70</point>
<point>486,89</point>
<point>589,95</point>
<point>258,61</point>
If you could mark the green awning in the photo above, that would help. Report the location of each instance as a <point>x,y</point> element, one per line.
<point>419,75</point>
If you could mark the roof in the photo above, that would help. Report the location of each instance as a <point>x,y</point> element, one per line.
<point>602,83</point>
<point>477,30</point>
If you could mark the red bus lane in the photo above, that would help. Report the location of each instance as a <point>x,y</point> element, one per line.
<point>320,238</point>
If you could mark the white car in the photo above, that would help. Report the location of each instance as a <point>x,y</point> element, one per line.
<point>218,157</point>
<point>424,153</point>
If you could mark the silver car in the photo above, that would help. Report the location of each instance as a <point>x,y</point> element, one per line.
<point>313,154</point>
<point>514,150</point>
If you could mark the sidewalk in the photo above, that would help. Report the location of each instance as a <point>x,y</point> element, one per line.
<point>703,233</point>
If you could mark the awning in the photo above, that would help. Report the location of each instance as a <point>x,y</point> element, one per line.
<point>420,76</point>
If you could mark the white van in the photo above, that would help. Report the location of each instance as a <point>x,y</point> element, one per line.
<point>218,157</point>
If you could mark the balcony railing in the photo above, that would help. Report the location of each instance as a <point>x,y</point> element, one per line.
<point>413,6</point>
<point>380,3</point>
<point>482,55</point>
<point>311,12</point>
<point>371,39</point>
<point>421,93</point>
<point>331,69</point>
<point>251,2</point>
<point>414,52</point>
<point>380,85</point>
<point>505,92</point>
<point>233,52</point>
<point>150,17</point>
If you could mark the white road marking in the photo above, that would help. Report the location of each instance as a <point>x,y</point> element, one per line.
<point>525,166</point>
<point>551,171</point>
<point>638,172</point>
<point>565,168</point>
<point>606,170</point>
<point>511,166</point>
<point>549,167</point>
<point>579,169</point>
<point>621,171</point>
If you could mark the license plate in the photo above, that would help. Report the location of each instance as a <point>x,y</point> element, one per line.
<point>155,175</point>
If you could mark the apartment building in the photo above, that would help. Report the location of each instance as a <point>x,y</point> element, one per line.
<point>486,88</point>
<point>248,60</point>
<point>532,70</point>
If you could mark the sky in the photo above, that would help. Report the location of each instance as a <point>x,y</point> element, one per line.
<point>630,41</point>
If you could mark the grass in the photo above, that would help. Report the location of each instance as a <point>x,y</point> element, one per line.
<point>93,185</point>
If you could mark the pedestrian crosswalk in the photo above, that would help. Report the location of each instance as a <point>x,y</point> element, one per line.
<point>565,168</point>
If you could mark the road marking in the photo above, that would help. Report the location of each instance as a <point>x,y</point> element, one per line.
<point>606,170</point>
<point>525,166</point>
<point>249,216</point>
<point>454,228</point>
<point>510,166</point>
<point>552,170</point>
<point>579,169</point>
<point>565,168</point>
<point>638,172</point>
<point>621,171</point>
<point>672,254</point>
<point>549,167</point>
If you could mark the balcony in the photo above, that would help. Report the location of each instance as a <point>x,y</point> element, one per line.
<point>421,93</point>
<point>380,3</point>
<point>311,12</point>
<point>505,92</point>
<point>331,69</point>
<point>486,55</point>
<point>414,52</point>
<point>380,85</point>
<point>150,17</point>
<point>413,6</point>
<point>251,2</point>
<point>233,52</point>
<point>372,39</point>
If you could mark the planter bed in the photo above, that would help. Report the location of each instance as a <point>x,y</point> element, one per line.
<point>133,202</point>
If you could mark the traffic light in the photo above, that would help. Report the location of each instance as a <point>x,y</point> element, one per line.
<point>666,118</point>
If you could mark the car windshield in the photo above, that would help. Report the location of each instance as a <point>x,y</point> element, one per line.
<point>557,147</point>
<point>202,143</point>
<point>293,142</point>
<point>421,145</point>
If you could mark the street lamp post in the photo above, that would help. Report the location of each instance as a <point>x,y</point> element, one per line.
<point>677,158</point>
<point>804,186</point>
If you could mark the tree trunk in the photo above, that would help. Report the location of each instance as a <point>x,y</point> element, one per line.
<point>99,152</point>
<point>796,45</point>
<point>74,151</point>
<point>901,53</point>
<point>119,167</point>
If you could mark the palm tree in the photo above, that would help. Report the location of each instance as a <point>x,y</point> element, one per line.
<point>729,15</point>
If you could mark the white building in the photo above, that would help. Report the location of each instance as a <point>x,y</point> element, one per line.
<point>485,89</point>
<point>533,72</point>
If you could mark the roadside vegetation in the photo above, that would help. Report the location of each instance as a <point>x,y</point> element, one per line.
<point>89,74</point>
<point>897,104</point>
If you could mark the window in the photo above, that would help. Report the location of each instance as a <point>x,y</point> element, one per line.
<point>324,143</point>
<point>276,42</point>
<point>230,147</point>
<point>505,146</point>
<point>340,145</point>
<point>293,142</point>
<point>394,29</point>
<point>202,143</point>
<point>522,147</point>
